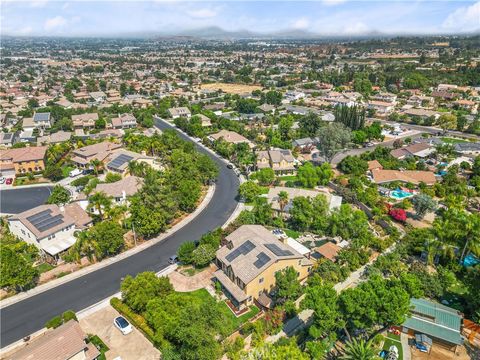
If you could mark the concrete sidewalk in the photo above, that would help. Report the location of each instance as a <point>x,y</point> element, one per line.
<point>51,284</point>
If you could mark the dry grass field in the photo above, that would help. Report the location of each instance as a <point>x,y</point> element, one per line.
<point>231,88</point>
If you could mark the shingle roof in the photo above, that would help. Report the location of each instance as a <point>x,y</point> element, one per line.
<point>435,320</point>
<point>130,185</point>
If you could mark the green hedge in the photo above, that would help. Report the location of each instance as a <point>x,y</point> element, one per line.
<point>137,320</point>
<point>59,320</point>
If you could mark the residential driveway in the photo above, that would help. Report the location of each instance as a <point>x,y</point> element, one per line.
<point>133,346</point>
<point>185,283</point>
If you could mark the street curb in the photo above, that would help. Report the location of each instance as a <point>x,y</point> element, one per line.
<point>51,284</point>
<point>82,313</point>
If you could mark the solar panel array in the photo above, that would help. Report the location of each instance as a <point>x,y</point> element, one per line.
<point>262,259</point>
<point>277,250</point>
<point>44,220</point>
<point>41,117</point>
<point>119,161</point>
<point>243,249</point>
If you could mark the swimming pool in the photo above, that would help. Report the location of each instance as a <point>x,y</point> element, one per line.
<point>470,260</point>
<point>400,194</point>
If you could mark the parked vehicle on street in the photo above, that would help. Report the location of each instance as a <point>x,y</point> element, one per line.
<point>123,325</point>
<point>2,180</point>
<point>9,181</point>
<point>173,259</point>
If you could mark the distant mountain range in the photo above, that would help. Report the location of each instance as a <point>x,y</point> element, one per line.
<point>217,33</point>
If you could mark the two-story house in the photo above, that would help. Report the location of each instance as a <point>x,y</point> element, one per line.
<point>82,157</point>
<point>84,121</point>
<point>281,161</point>
<point>248,263</point>
<point>24,160</point>
<point>43,120</point>
<point>50,227</point>
<point>180,112</point>
<point>124,121</point>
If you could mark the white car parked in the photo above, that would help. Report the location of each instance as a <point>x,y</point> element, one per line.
<point>123,325</point>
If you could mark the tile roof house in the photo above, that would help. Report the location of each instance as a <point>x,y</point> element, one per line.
<point>248,263</point>
<point>55,138</point>
<point>231,137</point>
<point>84,121</point>
<point>43,120</point>
<point>281,161</point>
<point>66,342</point>
<point>119,159</point>
<point>119,190</point>
<point>82,156</point>
<point>329,251</point>
<point>180,112</point>
<point>419,149</point>
<point>124,121</point>
<point>438,321</point>
<point>50,227</point>
<point>415,177</point>
<point>25,160</point>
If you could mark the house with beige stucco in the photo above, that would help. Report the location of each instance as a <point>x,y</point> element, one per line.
<point>248,263</point>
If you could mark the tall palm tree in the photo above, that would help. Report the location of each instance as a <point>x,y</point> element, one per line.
<point>97,165</point>
<point>101,202</point>
<point>359,350</point>
<point>282,199</point>
<point>85,245</point>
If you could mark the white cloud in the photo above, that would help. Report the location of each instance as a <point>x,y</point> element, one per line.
<point>204,13</point>
<point>333,2</point>
<point>301,23</point>
<point>38,3</point>
<point>356,28</point>
<point>466,18</point>
<point>55,23</point>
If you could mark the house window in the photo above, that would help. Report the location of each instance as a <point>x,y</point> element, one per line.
<point>23,232</point>
<point>260,280</point>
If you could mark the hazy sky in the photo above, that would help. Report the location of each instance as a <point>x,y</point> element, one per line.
<point>71,18</point>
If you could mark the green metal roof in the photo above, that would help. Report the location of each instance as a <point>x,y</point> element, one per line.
<point>435,320</point>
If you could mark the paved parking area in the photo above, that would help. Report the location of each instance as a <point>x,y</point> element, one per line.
<point>133,346</point>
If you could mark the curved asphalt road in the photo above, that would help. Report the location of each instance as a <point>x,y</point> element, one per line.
<point>25,317</point>
<point>16,200</point>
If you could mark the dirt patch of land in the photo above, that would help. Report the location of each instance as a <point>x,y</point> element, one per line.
<point>231,88</point>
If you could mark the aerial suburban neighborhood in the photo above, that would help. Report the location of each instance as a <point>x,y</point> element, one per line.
<point>295,190</point>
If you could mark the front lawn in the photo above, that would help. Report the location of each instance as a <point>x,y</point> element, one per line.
<point>448,140</point>
<point>66,170</point>
<point>288,178</point>
<point>236,322</point>
<point>389,341</point>
<point>292,233</point>
<point>242,319</point>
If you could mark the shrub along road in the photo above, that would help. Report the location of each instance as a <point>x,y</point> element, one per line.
<point>27,316</point>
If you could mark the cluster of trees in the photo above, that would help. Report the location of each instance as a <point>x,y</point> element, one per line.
<point>102,240</point>
<point>375,303</point>
<point>184,325</point>
<point>16,268</point>
<point>201,253</point>
<point>352,117</point>
<point>177,189</point>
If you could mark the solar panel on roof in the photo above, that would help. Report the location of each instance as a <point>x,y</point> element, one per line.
<point>243,249</point>
<point>50,223</point>
<point>262,259</point>
<point>41,117</point>
<point>36,217</point>
<point>277,250</point>
<point>120,160</point>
